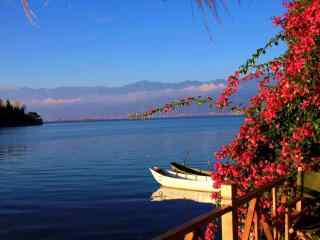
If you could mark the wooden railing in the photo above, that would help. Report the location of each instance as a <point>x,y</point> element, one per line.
<point>255,223</point>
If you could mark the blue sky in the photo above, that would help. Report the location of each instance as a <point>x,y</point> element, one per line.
<point>112,43</point>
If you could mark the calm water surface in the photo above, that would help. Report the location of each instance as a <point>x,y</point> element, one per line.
<point>90,180</point>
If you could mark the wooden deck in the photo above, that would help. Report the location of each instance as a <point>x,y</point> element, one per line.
<point>254,224</point>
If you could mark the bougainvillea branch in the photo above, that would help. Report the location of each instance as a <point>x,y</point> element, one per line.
<point>252,61</point>
<point>250,64</point>
<point>173,105</point>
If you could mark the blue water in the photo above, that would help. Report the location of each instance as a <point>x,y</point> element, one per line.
<point>90,180</point>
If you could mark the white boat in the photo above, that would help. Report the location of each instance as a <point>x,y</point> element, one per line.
<point>177,167</point>
<point>174,181</point>
<point>190,176</point>
<point>165,193</point>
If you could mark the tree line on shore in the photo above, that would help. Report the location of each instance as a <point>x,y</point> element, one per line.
<point>14,114</point>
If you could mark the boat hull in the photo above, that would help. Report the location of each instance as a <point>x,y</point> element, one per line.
<point>191,176</point>
<point>172,181</point>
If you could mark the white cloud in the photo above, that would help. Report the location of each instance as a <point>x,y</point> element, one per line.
<point>207,87</point>
<point>131,97</point>
<point>56,101</point>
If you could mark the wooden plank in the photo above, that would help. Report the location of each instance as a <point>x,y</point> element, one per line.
<point>300,186</point>
<point>299,206</point>
<point>266,229</point>
<point>196,223</point>
<point>189,236</point>
<point>274,212</point>
<point>229,224</point>
<point>247,197</point>
<point>287,224</point>
<point>256,226</point>
<point>204,219</point>
<point>249,219</point>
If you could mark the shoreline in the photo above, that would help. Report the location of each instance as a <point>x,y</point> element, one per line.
<point>150,119</point>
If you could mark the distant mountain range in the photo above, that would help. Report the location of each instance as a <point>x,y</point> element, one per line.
<point>79,103</point>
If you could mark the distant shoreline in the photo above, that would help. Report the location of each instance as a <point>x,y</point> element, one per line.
<point>13,114</point>
<point>153,118</point>
<point>20,124</point>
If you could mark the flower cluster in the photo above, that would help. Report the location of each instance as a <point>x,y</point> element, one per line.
<point>282,123</point>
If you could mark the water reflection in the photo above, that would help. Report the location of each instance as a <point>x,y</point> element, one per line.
<point>94,175</point>
<point>164,193</point>
<point>12,151</point>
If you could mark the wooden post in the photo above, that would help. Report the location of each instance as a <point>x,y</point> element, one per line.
<point>249,219</point>
<point>266,229</point>
<point>287,224</point>
<point>274,212</point>
<point>229,220</point>
<point>189,236</point>
<point>256,225</point>
<point>300,186</point>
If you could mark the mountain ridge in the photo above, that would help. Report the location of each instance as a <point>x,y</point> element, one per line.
<point>95,102</point>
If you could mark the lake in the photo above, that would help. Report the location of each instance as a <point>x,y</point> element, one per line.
<point>90,180</point>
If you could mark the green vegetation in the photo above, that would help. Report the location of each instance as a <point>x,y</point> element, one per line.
<point>13,114</point>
